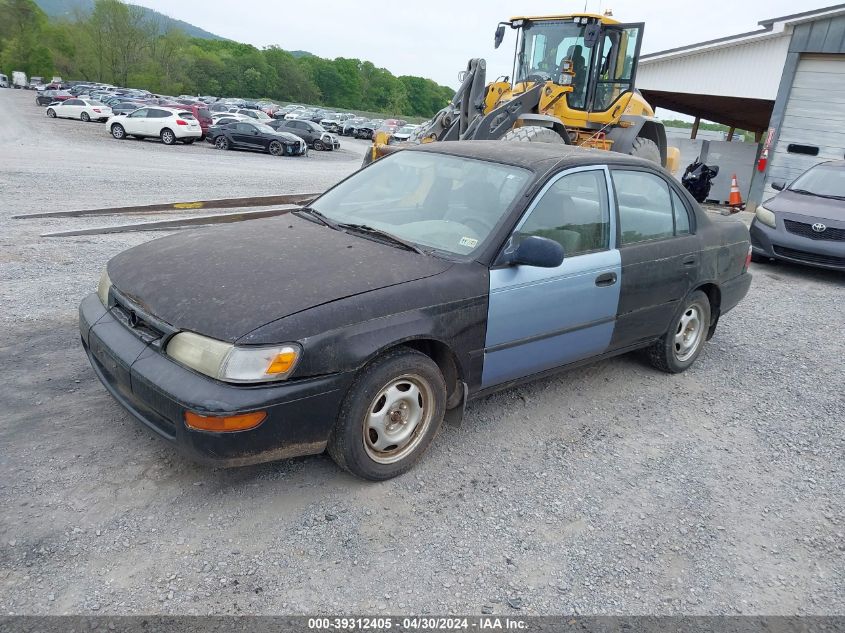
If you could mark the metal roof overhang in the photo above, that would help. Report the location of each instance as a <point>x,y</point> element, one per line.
<point>740,112</point>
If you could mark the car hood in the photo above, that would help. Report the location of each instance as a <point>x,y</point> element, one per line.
<point>809,206</point>
<point>225,282</point>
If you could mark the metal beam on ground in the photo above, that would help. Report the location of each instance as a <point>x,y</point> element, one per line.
<point>181,207</point>
<point>163,225</point>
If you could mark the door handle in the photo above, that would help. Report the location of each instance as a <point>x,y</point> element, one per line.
<point>690,261</point>
<point>607,279</point>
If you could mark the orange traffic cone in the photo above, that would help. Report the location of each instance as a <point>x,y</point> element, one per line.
<point>735,199</point>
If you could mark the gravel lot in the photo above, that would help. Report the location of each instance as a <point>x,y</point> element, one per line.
<point>612,489</point>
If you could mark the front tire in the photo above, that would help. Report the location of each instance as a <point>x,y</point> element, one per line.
<point>533,134</point>
<point>646,148</point>
<point>392,411</point>
<point>84,117</point>
<point>318,145</point>
<point>118,132</point>
<point>275,148</point>
<point>678,349</point>
<point>51,113</point>
<point>188,141</point>
<point>221,142</point>
<point>167,136</point>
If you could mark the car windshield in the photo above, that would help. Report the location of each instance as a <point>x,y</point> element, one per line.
<point>406,129</point>
<point>824,180</point>
<point>447,203</point>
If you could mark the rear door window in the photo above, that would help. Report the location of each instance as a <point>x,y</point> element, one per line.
<point>645,206</point>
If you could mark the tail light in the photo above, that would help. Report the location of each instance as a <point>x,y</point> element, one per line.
<point>96,109</point>
<point>181,122</point>
<point>747,260</point>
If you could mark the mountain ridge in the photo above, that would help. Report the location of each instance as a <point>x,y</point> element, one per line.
<point>72,8</point>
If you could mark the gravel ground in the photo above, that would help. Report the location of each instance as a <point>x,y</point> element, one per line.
<point>611,489</point>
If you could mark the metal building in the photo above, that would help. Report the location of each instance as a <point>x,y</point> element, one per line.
<point>784,81</point>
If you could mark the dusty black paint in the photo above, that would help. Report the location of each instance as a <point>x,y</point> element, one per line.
<point>225,282</point>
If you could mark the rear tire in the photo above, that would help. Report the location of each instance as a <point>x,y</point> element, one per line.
<point>392,411</point>
<point>533,134</point>
<point>51,113</point>
<point>167,136</point>
<point>85,118</point>
<point>118,132</point>
<point>647,149</point>
<point>678,349</point>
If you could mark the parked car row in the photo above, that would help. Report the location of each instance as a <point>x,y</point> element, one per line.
<point>228,123</point>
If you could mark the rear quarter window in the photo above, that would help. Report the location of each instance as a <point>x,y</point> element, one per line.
<point>186,115</point>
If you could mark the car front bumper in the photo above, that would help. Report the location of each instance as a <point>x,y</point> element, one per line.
<point>780,244</point>
<point>158,391</point>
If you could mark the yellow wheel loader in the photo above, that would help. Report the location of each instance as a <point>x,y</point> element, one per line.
<point>573,83</point>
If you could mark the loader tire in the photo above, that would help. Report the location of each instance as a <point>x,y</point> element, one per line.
<point>646,148</point>
<point>533,134</point>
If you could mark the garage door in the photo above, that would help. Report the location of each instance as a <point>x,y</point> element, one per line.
<point>813,128</point>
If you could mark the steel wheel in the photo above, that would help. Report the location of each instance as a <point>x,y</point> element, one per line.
<point>398,418</point>
<point>51,113</point>
<point>689,333</point>
<point>168,137</point>
<point>276,148</point>
<point>84,117</point>
<point>221,142</point>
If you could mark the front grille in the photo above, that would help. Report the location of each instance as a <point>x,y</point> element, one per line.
<point>810,258</point>
<point>806,230</point>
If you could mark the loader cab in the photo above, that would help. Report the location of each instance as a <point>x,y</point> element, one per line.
<point>593,57</point>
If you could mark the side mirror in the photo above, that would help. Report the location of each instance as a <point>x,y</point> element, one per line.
<point>537,251</point>
<point>499,36</point>
<point>778,185</point>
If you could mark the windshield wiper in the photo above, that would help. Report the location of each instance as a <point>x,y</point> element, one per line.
<point>313,213</point>
<point>804,192</point>
<point>369,230</point>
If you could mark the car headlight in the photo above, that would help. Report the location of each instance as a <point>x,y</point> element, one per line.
<point>103,287</point>
<point>765,216</point>
<point>231,363</point>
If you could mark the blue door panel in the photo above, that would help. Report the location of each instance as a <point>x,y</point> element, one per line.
<point>540,318</point>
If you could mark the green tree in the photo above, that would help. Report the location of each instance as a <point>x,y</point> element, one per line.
<point>22,26</point>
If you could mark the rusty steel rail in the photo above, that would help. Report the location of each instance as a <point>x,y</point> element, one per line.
<point>181,207</point>
<point>162,225</point>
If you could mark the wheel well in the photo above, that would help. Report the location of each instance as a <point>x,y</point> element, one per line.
<point>441,354</point>
<point>715,296</point>
<point>657,133</point>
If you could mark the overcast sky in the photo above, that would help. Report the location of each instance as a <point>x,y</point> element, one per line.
<point>435,38</point>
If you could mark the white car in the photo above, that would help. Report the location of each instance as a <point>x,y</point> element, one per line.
<point>168,124</point>
<point>258,115</point>
<point>82,109</point>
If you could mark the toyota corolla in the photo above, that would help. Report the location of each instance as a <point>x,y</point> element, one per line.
<point>436,275</point>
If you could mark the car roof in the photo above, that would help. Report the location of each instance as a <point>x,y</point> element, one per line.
<point>530,155</point>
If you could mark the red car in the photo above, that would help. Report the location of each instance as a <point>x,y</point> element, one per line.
<point>46,97</point>
<point>201,113</point>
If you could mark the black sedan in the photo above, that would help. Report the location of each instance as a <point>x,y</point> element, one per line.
<point>436,275</point>
<point>257,137</point>
<point>805,222</point>
<point>312,133</point>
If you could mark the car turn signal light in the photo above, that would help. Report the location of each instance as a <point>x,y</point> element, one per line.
<point>225,423</point>
<point>282,363</point>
